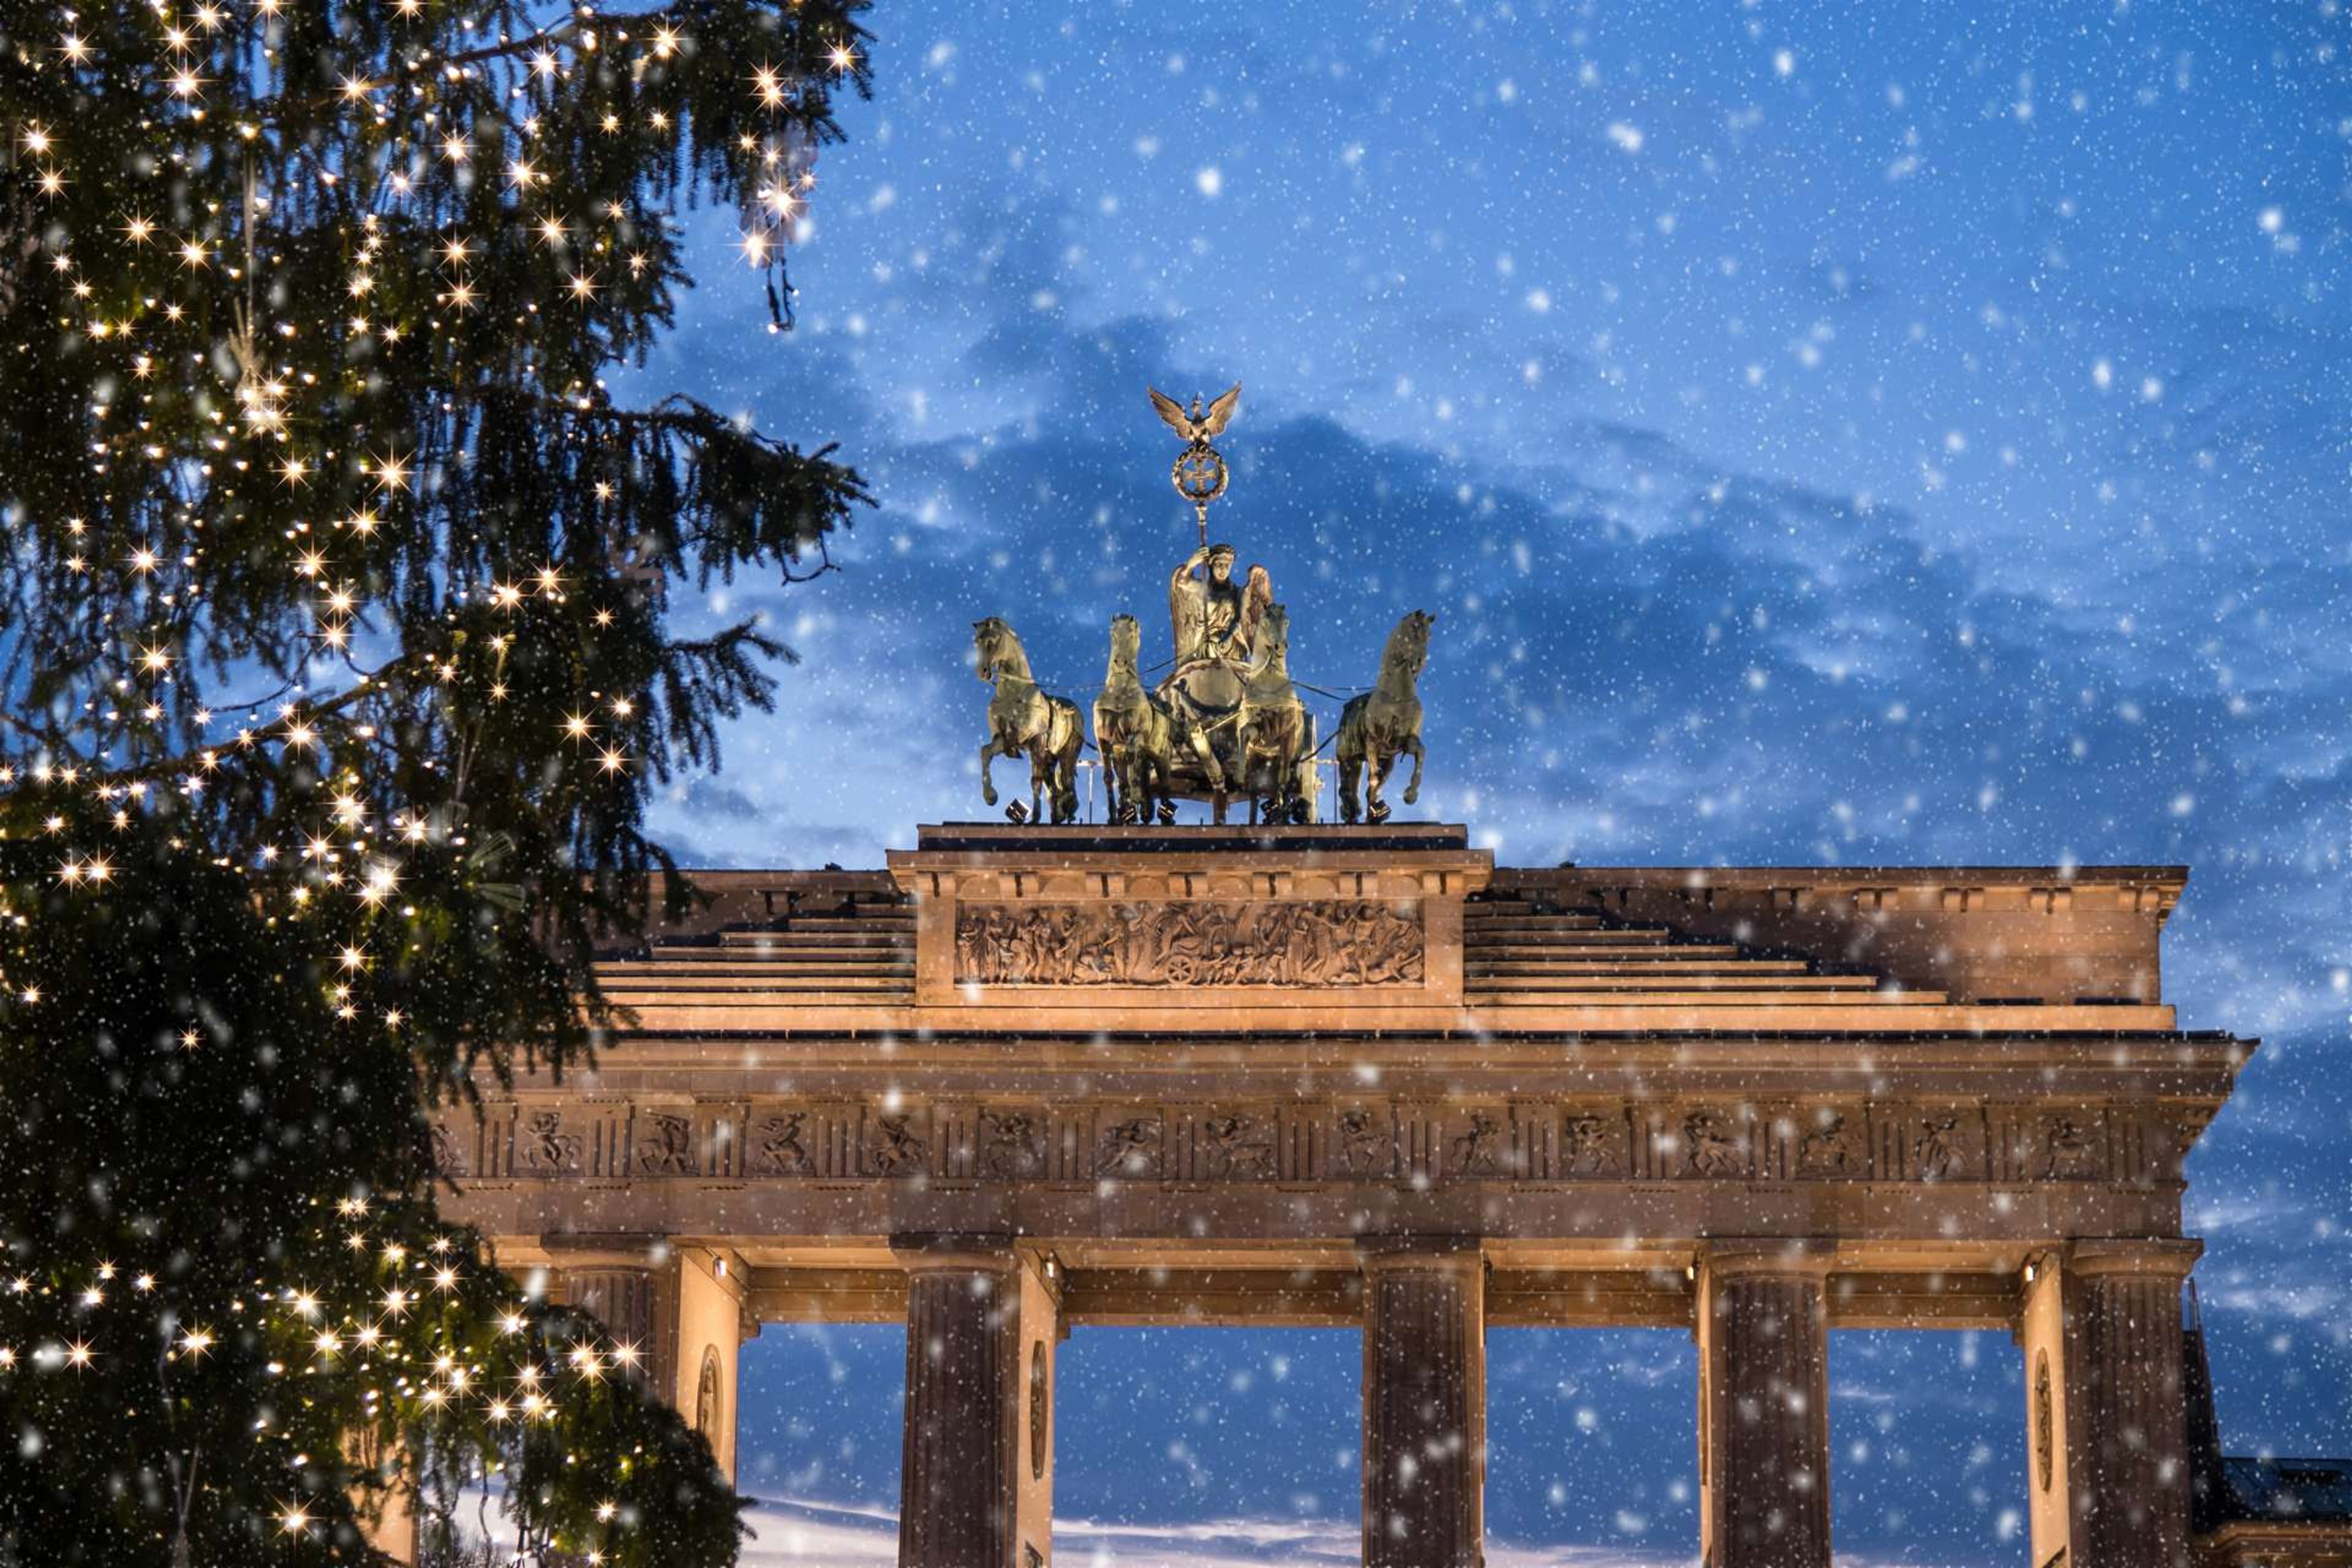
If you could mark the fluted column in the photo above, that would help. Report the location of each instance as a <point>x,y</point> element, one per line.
<point>976,1472</point>
<point>1763,1414</point>
<point>625,1298</point>
<point>681,1309</point>
<point>2108,1464</point>
<point>1424,1406</point>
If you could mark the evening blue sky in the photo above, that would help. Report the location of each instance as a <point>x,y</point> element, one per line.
<point>1864,434</point>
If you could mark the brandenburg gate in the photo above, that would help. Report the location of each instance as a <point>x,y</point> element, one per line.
<point>1032,1079</point>
<point>1035,1076</point>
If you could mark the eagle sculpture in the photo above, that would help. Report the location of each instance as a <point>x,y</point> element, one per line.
<point>1197,426</point>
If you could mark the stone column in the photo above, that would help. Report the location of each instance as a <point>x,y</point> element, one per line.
<point>1763,1406</point>
<point>623,1297</point>
<point>1424,1404</point>
<point>682,1310</point>
<point>2107,1457</point>
<point>976,1481</point>
<point>707,1337</point>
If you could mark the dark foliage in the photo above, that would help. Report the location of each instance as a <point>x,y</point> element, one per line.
<point>337,660</point>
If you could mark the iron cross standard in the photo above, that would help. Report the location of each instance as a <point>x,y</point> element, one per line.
<point>1199,472</point>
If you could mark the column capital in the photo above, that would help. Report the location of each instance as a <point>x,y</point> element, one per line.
<point>1741,1257</point>
<point>2164,1257</point>
<point>920,1252</point>
<point>723,1264</point>
<point>606,1250</point>
<point>1422,1254</point>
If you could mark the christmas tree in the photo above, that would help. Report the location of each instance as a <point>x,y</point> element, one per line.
<point>338,660</point>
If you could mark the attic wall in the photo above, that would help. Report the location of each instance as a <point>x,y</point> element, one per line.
<point>1983,934</point>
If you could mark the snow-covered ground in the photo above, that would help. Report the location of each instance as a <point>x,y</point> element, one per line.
<point>795,1532</point>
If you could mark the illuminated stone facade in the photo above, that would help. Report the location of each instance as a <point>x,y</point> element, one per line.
<point>1028,1080</point>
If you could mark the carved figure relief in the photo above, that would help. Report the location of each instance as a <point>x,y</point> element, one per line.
<point>543,1146</point>
<point>1586,1147</point>
<point>897,1150</point>
<point>2045,1436</point>
<point>1237,1147</point>
<point>1935,1153</point>
<point>448,1157</point>
<point>666,1147</point>
<point>1011,1145</point>
<point>1177,943</point>
<point>2069,1150</point>
<point>1129,1148</point>
<point>780,1152</point>
<point>1711,1145</point>
<point>1478,1150</point>
<point>706,1397</point>
<point>1827,1148</point>
<point>1364,1148</point>
<point>1041,1409</point>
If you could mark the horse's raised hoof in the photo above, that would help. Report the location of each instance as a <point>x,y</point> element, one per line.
<point>1378,812</point>
<point>1411,794</point>
<point>1016,814</point>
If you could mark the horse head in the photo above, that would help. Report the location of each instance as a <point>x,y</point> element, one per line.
<point>989,638</point>
<point>1271,645</point>
<point>1408,644</point>
<point>1126,639</point>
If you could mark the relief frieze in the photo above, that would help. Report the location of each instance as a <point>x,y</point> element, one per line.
<point>1328,944</point>
<point>780,1145</point>
<point>1591,1143</point>
<point>1343,1140</point>
<point>1830,1147</point>
<point>1366,1143</point>
<point>1237,1146</point>
<point>2070,1148</point>
<point>1011,1145</point>
<point>666,1145</point>
<point>1713,1145</point>
<point>1937,1152</point>
<point>448,1155</point>
<point>1129,1146</point>
<point>1480,1150</point>
<point>895,1146</point>
<point>542,1147</point>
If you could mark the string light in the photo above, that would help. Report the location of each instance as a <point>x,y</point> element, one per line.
<point>238,296</point>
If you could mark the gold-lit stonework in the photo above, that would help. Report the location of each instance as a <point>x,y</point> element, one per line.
<point>1714,1099</point>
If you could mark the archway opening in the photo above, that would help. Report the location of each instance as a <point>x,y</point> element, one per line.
<point>1180,1444</point>
<point>1592,1443</point>
<point>818,1441</point>
<point>1927,1447</point>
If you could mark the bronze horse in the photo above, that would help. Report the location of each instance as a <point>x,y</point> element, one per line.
<point>1135,733</point>
<point>1275,733</point>
<point>1023,720</point>
<point>1384,723</point>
